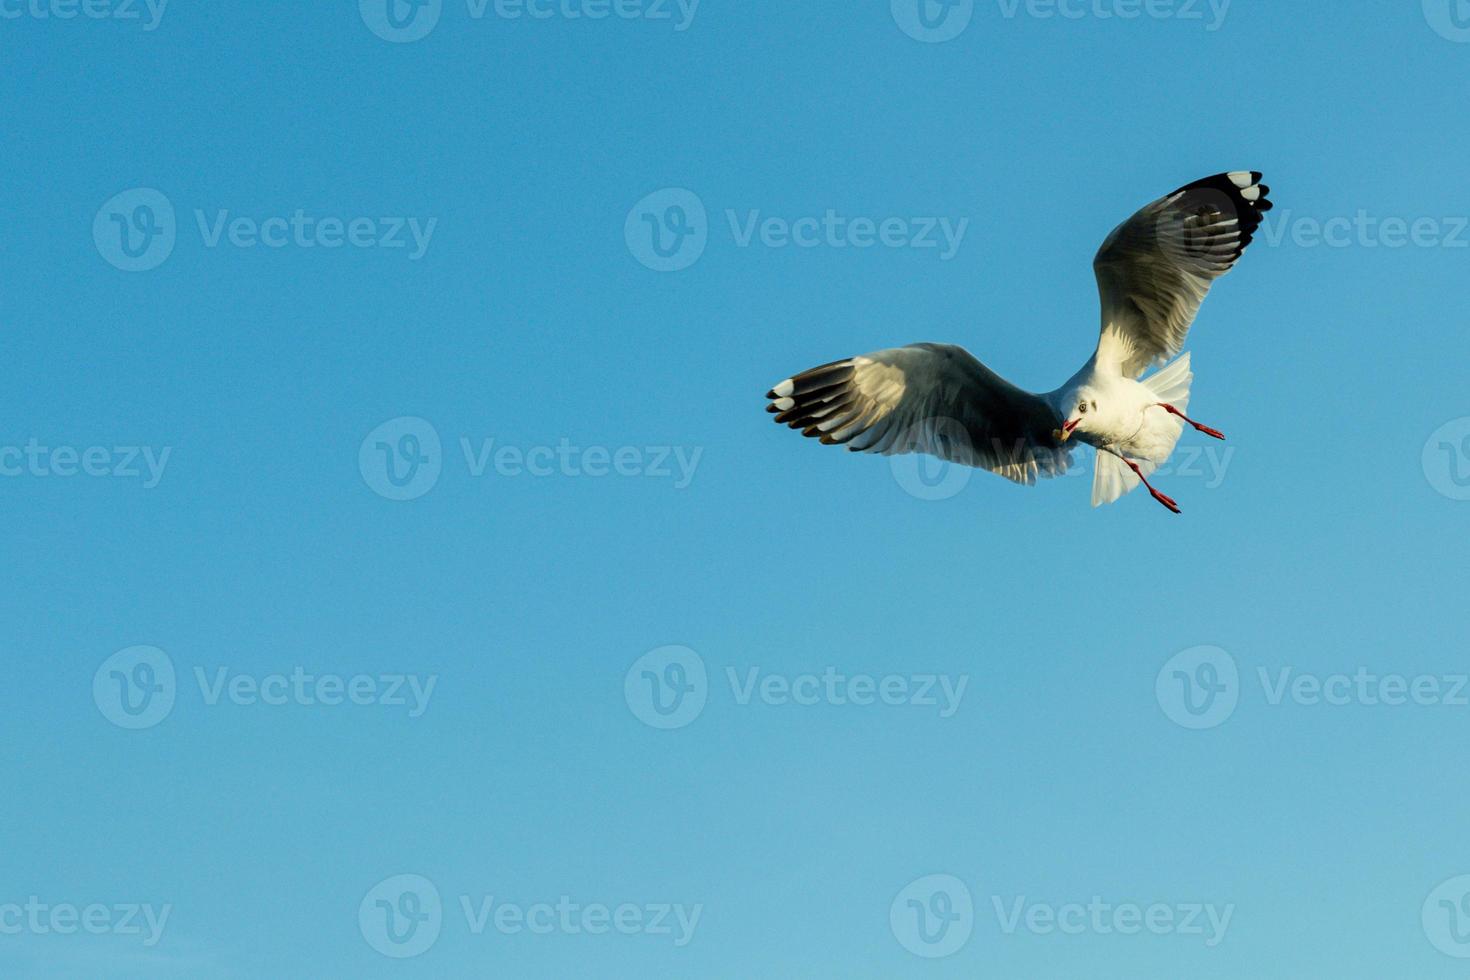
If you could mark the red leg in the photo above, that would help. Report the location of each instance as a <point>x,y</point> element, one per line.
<point>1164,499</point>
<point>1203,428</point>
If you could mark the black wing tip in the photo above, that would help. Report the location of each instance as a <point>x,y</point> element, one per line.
<point>795,400</point>
<point>1264,202</point>
<point>813,400</point>
<point>1238,193</point>
<point>1243,187</point>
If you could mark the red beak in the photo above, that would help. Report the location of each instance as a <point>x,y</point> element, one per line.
<point>1065,432</point>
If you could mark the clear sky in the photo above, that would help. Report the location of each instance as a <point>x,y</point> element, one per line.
<point>405,483</point>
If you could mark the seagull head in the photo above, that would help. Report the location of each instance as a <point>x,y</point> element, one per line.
<point>1081,407</point>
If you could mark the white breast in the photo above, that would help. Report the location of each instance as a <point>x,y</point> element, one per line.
<point>1138,428</point>
<point>1154,438</point>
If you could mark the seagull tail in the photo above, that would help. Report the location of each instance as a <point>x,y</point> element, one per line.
<point>1111,477</point>
<point>1171,383</point>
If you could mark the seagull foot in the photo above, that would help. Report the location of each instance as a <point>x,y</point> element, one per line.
<point>1162,498</point>
<point>1167,501</point>
<point>1202,428</point>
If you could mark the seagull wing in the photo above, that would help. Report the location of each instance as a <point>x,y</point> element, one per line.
<point>925,398</point>
<point>1155,268</point>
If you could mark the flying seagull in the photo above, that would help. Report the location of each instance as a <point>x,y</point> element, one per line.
<point>1152,272</point>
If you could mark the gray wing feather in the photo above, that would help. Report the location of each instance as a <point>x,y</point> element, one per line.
<point>925,398</point>
<point>1154,270</point>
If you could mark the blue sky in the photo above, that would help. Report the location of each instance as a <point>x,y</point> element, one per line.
<point>382,508</point>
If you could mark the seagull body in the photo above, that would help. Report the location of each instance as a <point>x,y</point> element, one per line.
<point>1153,272</point>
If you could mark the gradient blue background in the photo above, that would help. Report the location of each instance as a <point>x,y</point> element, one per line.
<point>1324,548</point>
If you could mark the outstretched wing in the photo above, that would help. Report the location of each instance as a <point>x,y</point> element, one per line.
<point>925,398</point>
<point>1155,268</point>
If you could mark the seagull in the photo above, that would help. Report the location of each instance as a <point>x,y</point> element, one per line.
<point>1152,272</point>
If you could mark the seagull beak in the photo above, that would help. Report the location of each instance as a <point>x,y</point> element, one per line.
<point>1065,432</point>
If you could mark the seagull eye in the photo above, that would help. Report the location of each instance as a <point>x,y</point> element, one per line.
<point>1082,408</point>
